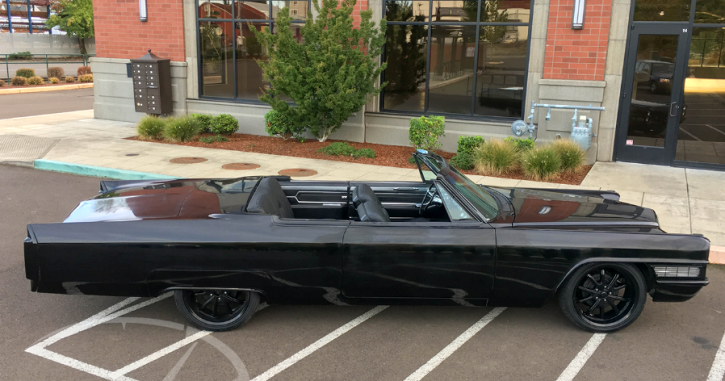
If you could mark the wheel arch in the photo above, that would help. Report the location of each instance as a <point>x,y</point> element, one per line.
<point>641,266</point>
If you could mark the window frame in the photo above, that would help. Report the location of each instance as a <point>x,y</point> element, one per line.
<point>270,21</point>
<point>478,24</point>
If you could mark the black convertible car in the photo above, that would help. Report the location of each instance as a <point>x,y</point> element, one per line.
<point>224,245</point>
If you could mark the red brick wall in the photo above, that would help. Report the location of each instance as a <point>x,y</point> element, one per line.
<point>577,54</point>
<point>120,33</point>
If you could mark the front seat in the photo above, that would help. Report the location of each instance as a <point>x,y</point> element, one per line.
<point>369,208</point>
<point>269,198</point>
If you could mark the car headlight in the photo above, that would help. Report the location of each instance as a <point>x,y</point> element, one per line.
<point>677,271</point>
<point>664,80</point>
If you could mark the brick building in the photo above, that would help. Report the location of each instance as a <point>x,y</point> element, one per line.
<point>658,68</point>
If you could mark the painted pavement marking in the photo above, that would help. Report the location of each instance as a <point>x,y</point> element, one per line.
<point>581,358</point>
<point>717,372</point>
<point>454,345</point>
<point>271,372</point>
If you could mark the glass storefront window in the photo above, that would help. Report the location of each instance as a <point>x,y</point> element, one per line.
<point>249,75</point>
<point>251,10</point>
<point>217,64</point>
<point>657,10</point>
<point>701,136</point>
<point>710,11</point>
<point>441,77</point>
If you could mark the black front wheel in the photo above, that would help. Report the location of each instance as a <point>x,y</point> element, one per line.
<point>217,310</point>
<point>603,297</point>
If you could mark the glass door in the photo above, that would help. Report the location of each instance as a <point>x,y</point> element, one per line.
<point>653,91</point>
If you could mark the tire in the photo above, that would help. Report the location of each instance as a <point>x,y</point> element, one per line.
<point>216,310</point>
<point>608,306</point>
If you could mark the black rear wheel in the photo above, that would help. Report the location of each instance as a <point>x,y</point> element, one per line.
<point>217,310</point>
<point>603,297</point>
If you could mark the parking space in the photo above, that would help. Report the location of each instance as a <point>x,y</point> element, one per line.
<point>94,338</point>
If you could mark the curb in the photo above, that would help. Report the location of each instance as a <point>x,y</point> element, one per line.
<point>92,170</point>
<point>23,90</point>
<point>717,255</point>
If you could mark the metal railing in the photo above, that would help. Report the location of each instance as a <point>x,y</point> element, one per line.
<point>83,59</point>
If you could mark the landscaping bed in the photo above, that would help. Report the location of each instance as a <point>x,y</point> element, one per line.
<point>8,86</point>
<point>386,155</point>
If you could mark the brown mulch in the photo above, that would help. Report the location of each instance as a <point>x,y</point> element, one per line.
<point>386,155</point>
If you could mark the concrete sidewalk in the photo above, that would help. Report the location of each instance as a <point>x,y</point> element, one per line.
<point>686,200</point>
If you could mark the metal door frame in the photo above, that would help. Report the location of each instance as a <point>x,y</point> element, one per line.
<point>648,154</point>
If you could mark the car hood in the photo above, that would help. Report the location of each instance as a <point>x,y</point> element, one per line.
<point>564,208</point>
<point>170,199</point>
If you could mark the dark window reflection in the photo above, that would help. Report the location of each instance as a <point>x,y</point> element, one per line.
<point>501,70</point>
<point>251,10</point>
<point>216,46</point>
<point>249,75</point>
<point>215,9</point>
<point>451,69</point>
<point>710,11</point>
<point>407,10</point>
<point>658,10</point>
<point>406,47</point>
<point>701,135</point>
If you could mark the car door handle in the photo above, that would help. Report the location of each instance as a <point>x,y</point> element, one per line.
<point>405,189</point>
<point>673,108</point>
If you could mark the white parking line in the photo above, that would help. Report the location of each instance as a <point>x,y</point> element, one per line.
<point>454,345</point>
<point>717,372</point>
<point>581,358</point>
<point>271,372</point>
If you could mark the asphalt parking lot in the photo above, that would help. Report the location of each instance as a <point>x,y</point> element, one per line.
<point>94,338</point>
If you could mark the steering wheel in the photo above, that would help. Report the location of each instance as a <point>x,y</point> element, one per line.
<point>427,199</point>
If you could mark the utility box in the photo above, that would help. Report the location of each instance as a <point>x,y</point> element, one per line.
<point>152,84</point>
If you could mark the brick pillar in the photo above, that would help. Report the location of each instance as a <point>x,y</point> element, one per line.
<point>577,54</point>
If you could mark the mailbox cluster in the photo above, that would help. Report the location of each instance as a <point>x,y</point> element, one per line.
<point>152,84</point>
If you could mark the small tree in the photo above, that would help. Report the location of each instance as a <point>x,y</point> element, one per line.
<point>330,74</point>
<point>75,17</point>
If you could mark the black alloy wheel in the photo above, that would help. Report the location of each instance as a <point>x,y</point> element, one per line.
<point>604,297</point>
<point>217,310</point>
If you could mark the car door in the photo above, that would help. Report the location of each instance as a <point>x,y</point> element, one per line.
<point>452,260</point>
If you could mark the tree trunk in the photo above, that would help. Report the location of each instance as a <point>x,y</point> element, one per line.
<point>82,45</point>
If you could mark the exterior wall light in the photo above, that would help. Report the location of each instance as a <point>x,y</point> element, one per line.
<point>577,21</point>
<point>143,15</point>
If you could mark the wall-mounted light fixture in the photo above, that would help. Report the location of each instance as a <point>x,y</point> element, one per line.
<point>577,21</point>
<point>143,15</point>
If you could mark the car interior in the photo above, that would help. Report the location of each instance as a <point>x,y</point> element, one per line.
<point>343,200</point>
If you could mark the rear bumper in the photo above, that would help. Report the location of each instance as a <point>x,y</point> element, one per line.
<point>677,290</point>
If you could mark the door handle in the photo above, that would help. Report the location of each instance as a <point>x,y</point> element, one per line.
<point>405,189</point>
<point>673,108</point>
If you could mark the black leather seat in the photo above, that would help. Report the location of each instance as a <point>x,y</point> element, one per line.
<point>269,198</point>
<point>369,208</point>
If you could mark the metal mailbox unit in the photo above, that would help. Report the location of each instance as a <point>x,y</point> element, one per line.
<point>152,84</point>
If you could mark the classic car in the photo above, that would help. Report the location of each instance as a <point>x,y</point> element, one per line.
<point>224,245</point>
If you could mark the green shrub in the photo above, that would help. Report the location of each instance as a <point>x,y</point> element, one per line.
<point>338,149</point>
<point>204,121</point>
<point>181,129</point>
<point>224,124</point>
<point>521,144</point>
<point>540,163</point>
<point>213,139</point>
<point>19,81</point>
<point>27,73</point>
<point>495,157</point>
<point>570,154</point>
<point>463,160</point>
<point>411,160</point>
<point>35,80</point>
<point>278,124</point>
<point>85,78</point>
<point>2,83</point>
<point>56,72</point>
<point>69,79</point>
<point>150,127</point>
<point>364,152</point>
<point>425,131</point>
<point>53,80</point>
<point>466,144</point>
<point>20,56</point>
<point>84,70</point>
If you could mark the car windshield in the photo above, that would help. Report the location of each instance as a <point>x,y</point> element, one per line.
<point>663,68</point>
<point>481,200</point>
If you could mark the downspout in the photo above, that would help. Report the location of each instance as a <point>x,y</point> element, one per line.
<point>30,18</point>
<point>10,17</point>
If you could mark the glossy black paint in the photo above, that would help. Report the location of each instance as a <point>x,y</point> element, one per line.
<point>145,238</point>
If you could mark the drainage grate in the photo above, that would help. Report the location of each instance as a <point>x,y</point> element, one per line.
<point>24,147</point>
<point>240,166</point>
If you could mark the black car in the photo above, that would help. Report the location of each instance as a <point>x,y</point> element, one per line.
<point>223,246</point>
